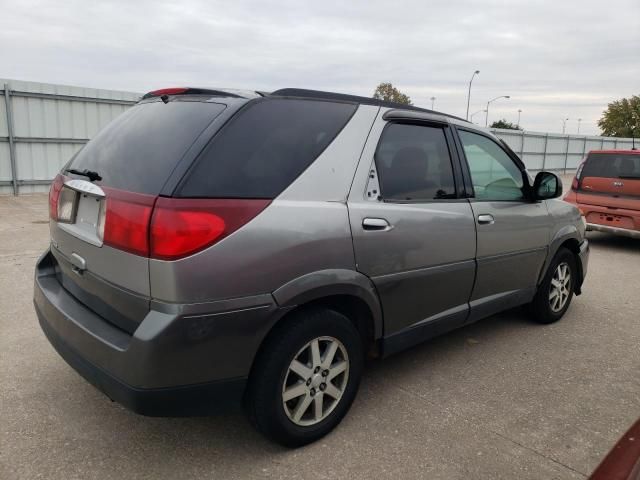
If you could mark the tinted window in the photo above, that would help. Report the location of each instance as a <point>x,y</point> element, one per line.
<point>413,163</point>
<point>140,148</point>
<point>611,165</point>
<point>265,147</point>
<point>493,174</point>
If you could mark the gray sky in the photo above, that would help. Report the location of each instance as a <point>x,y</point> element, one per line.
<point>557,59</point>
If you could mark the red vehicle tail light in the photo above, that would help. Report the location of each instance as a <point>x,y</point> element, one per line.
<point>575,185</point>
<point>54,193</point>
<point>181,227</point>
<point>126,220</point>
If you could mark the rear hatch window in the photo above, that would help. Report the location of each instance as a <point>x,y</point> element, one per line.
<point>611,173</point>
<point>264,148</point>
<point>138,151</point>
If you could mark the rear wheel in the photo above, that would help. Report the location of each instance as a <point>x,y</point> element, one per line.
<point>556,290</point>
<point>305,377</point>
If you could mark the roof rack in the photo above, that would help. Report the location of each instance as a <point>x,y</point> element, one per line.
<point>319,94</point>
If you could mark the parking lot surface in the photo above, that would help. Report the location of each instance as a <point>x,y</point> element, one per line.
<point>503,398</point>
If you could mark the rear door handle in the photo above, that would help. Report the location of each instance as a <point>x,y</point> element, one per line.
<point>486,219</point>
<point>376,224</point>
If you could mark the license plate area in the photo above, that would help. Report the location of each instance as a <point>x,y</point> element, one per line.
<point>610,220</point>
<point>81,210</point>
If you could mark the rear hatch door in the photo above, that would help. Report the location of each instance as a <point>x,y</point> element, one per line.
<point>115,180</point>
<point>611,180</point>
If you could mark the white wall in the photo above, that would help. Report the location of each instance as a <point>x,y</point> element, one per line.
<point>48,129</point>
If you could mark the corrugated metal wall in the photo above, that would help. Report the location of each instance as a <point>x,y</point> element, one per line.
<point>554,151</point>
<point>50,123</point>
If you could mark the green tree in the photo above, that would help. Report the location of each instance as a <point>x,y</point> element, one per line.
<point>504,124</point>
<point>621,118</point>
<point>386,91</point>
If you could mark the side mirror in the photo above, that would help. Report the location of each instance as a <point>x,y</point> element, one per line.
<point>546,185</point>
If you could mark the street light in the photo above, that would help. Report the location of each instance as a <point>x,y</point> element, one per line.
<point>477,72</point>
<point>564,124</point>
<point>476,113</point>
<point>486,118</point>
<point>433,99</point>
<point>579,120</point>
<point>519,112</point>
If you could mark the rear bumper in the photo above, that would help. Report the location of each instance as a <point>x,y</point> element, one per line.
<point>181,360</point>
<point>625,232</point>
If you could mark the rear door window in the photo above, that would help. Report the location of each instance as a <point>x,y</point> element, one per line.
<point>611,165</point>
<point>264,148</point>
<point>140,148</point>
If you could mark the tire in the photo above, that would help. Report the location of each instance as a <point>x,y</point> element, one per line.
<point>552,301</point>
<point>269,401</point>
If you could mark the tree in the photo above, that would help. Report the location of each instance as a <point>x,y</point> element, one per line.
<point>504,124</point>
<point>386,91</point>
<point>621,118</point>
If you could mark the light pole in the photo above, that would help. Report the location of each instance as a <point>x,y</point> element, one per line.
<point>476,113</point>
<point>433,101</point>
<point>579,120</point>
<point>519,112</point>
<point>564,124</point>
<point>477,72</point>
<point>486,112</point>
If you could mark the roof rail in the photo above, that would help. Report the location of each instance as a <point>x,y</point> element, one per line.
<point>322,95</point>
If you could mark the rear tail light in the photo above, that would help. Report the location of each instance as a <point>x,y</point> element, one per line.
<point>576,180</point>
<point>181,227</point>
<point>54,194</point>
<point>126,220</point>
<point>170,228</point>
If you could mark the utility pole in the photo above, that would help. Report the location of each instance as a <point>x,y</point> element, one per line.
<point>477,72</point>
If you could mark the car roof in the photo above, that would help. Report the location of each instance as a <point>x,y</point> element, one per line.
<point>342,97</point>
<point>624,152</point>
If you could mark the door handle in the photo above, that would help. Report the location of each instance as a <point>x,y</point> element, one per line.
<point>376,224</point>
<point>486,219</point>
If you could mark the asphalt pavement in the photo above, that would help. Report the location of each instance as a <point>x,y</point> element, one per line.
<point>503,398</point>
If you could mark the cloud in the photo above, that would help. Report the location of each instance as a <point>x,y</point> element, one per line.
<point>555,59</point>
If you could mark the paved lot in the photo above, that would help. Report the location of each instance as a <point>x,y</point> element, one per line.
<point>503,398</point>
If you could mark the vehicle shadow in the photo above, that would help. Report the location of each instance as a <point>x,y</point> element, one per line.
<point>598,239</point>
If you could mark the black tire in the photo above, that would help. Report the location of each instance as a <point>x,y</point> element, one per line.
<point>264,400</point>
<point>540,309</point>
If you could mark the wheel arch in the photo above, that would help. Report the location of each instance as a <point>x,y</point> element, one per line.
<point>567,237</point>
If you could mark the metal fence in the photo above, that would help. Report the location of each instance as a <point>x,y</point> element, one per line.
<point>43,125</point>
<point>555,151</point>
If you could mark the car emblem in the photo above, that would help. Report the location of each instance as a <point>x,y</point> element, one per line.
<point>618,184</point>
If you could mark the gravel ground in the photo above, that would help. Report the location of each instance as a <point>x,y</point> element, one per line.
<point>502,398</point>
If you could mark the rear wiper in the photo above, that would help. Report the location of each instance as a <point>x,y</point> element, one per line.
<point>90,174</point>
<point>637,177</point>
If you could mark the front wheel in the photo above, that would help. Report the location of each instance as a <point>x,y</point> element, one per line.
<point>556,290</point>
<point>305,377</point>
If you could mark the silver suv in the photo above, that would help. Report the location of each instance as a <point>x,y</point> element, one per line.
<point>214,246</point>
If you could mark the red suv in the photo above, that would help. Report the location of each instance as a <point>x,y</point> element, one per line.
<point>606,189</point>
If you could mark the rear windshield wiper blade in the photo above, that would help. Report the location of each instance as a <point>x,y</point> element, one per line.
<point>637,177</point>
<point>90,174</point>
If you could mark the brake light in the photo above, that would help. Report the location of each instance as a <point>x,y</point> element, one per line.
<point>182,227</point>
<point>126,220</point>
<point>168,91</point>
<point>54,194</point>
<point>576,180</point>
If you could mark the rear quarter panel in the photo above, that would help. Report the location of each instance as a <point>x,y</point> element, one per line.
<point>304,230</point>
